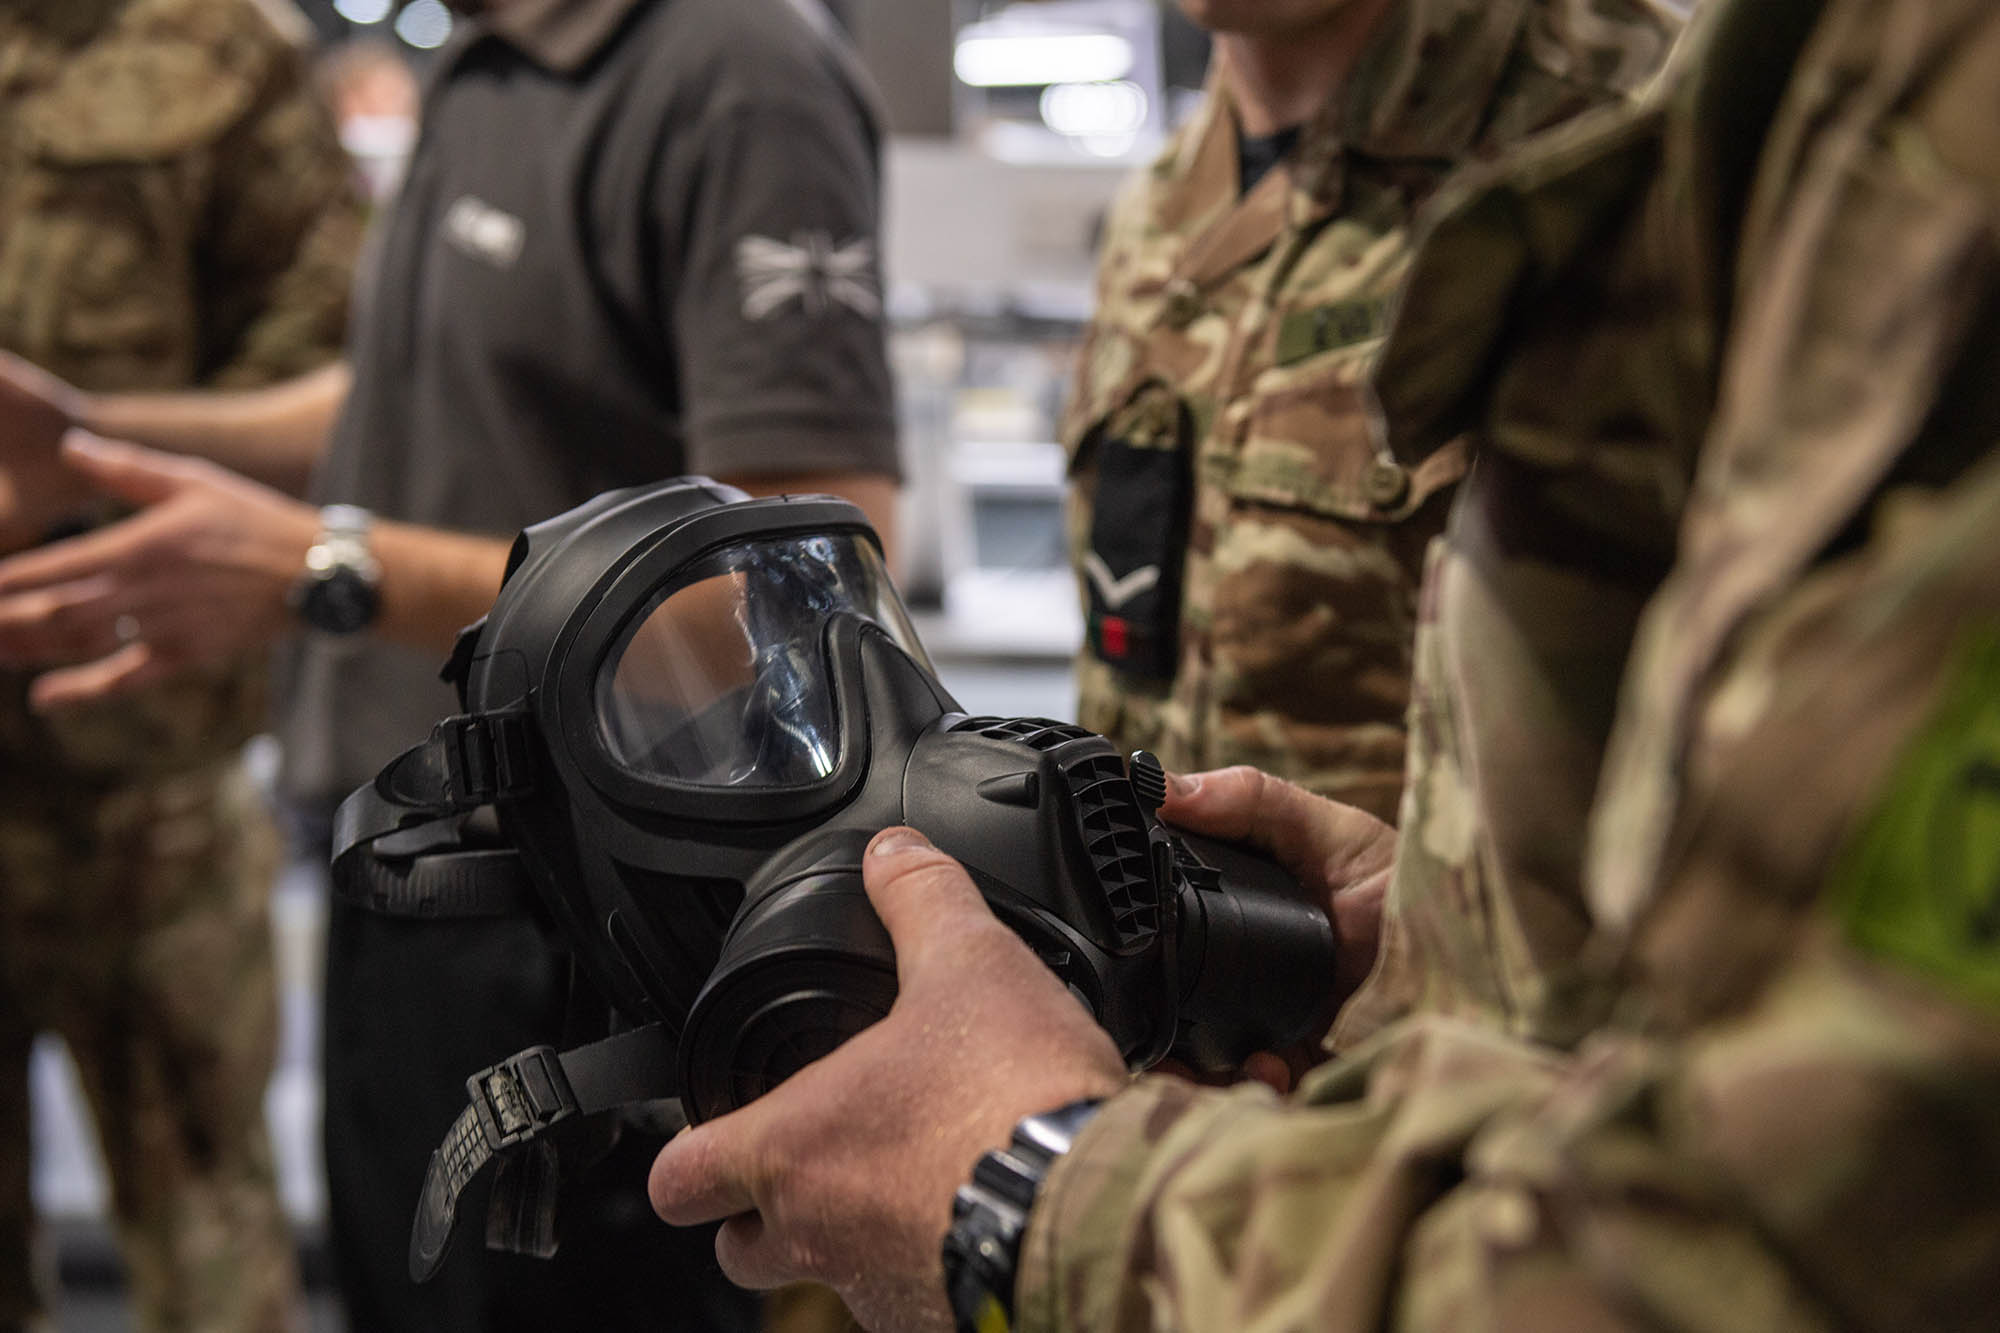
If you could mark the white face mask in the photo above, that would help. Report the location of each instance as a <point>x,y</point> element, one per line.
<point>380,146</point>
<point>378,135</point>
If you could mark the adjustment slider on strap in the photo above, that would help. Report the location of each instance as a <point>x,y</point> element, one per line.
<point>521,1097</point>
<point>516,1101</point>
<point>486,757</point>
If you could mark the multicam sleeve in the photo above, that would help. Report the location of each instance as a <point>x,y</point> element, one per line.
<point>1793,1123</point>
<point>283,228</point>
<point>1197,1209</point>
<point>1827,1160</point>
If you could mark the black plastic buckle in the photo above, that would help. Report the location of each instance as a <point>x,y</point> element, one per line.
<point>486,757</point>
<point>519,1098</point>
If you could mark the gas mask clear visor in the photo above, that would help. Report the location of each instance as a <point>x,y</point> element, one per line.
<point>721,679</point>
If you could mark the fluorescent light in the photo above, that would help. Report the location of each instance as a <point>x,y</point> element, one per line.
<point>1108,145</point>
<point>424,24</point>
<point>1028,60</point>
<point>363,11</point>
<point>1094,109</point>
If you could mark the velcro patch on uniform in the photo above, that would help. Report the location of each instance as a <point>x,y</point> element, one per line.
<point>1323,328</point>
<point>1920,885</point>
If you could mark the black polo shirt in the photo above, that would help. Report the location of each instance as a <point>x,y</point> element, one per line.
<point>637,238</point>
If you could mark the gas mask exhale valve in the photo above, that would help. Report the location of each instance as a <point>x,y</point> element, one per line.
<point>684,718</point>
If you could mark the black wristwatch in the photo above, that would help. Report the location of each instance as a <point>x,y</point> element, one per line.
<point>989,1215</point>
<point>340,589</point>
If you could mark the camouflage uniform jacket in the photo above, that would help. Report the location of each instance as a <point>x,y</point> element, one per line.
<point>1687,1014</point>
<point>175,211</point>
<point>1218,427</point>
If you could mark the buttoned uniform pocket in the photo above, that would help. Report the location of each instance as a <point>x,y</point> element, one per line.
<point>1314,564</point>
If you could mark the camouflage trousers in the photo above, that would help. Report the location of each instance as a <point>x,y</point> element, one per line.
<point>134,922</point>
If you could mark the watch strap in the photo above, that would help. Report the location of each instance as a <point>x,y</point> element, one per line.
<point>344,540</point>
<point>989,1216</point>
<point>339,588</point>
<point>345,520</point>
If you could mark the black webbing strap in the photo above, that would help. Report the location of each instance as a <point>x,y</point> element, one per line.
<point>513,1104</point>
<point>521,1212</point>
<point>408,843</point>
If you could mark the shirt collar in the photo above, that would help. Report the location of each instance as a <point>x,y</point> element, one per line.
<point>1420,89</point>
<point>561,35</point>
<point>1423,84</point>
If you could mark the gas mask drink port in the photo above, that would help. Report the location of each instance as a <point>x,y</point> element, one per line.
<point>685,716</point>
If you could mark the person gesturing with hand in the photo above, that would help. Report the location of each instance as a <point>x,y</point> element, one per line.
<point>203,574</point>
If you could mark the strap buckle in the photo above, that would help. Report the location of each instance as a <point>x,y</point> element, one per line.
<point>486,757</point>
<point>522,1096</point>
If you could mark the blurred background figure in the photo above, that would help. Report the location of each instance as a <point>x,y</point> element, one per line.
<point>174,212</point>
<point>373,93</point>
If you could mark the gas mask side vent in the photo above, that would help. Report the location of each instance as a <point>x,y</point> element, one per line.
<point>1114,832</point>
<point>1037,733</point>
<point>1108,820</point>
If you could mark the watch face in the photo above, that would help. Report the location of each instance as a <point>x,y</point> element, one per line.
<point>341,603</point>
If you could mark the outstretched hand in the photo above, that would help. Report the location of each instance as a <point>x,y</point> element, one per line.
<point>844,1173</point>
<point>198,577</point>
<point>36,490</point>
<point>1341,855</point>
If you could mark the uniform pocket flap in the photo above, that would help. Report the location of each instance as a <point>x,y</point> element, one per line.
<point>1309,445</point>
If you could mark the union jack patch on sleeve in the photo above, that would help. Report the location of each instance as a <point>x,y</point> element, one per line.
<point>811,269</point>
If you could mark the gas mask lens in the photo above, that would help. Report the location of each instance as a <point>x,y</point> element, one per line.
<point>722,679</point>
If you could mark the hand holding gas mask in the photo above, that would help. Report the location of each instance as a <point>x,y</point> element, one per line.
<point>689,712</point>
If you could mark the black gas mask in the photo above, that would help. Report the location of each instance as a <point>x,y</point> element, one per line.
<point>685,717</point>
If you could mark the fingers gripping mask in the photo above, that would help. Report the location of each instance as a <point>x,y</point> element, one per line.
<point>685,716</point>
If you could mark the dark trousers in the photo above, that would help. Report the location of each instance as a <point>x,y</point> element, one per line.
<point>412,1008</point>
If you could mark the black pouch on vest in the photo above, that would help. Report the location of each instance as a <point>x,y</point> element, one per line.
<point>1139,536</point>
